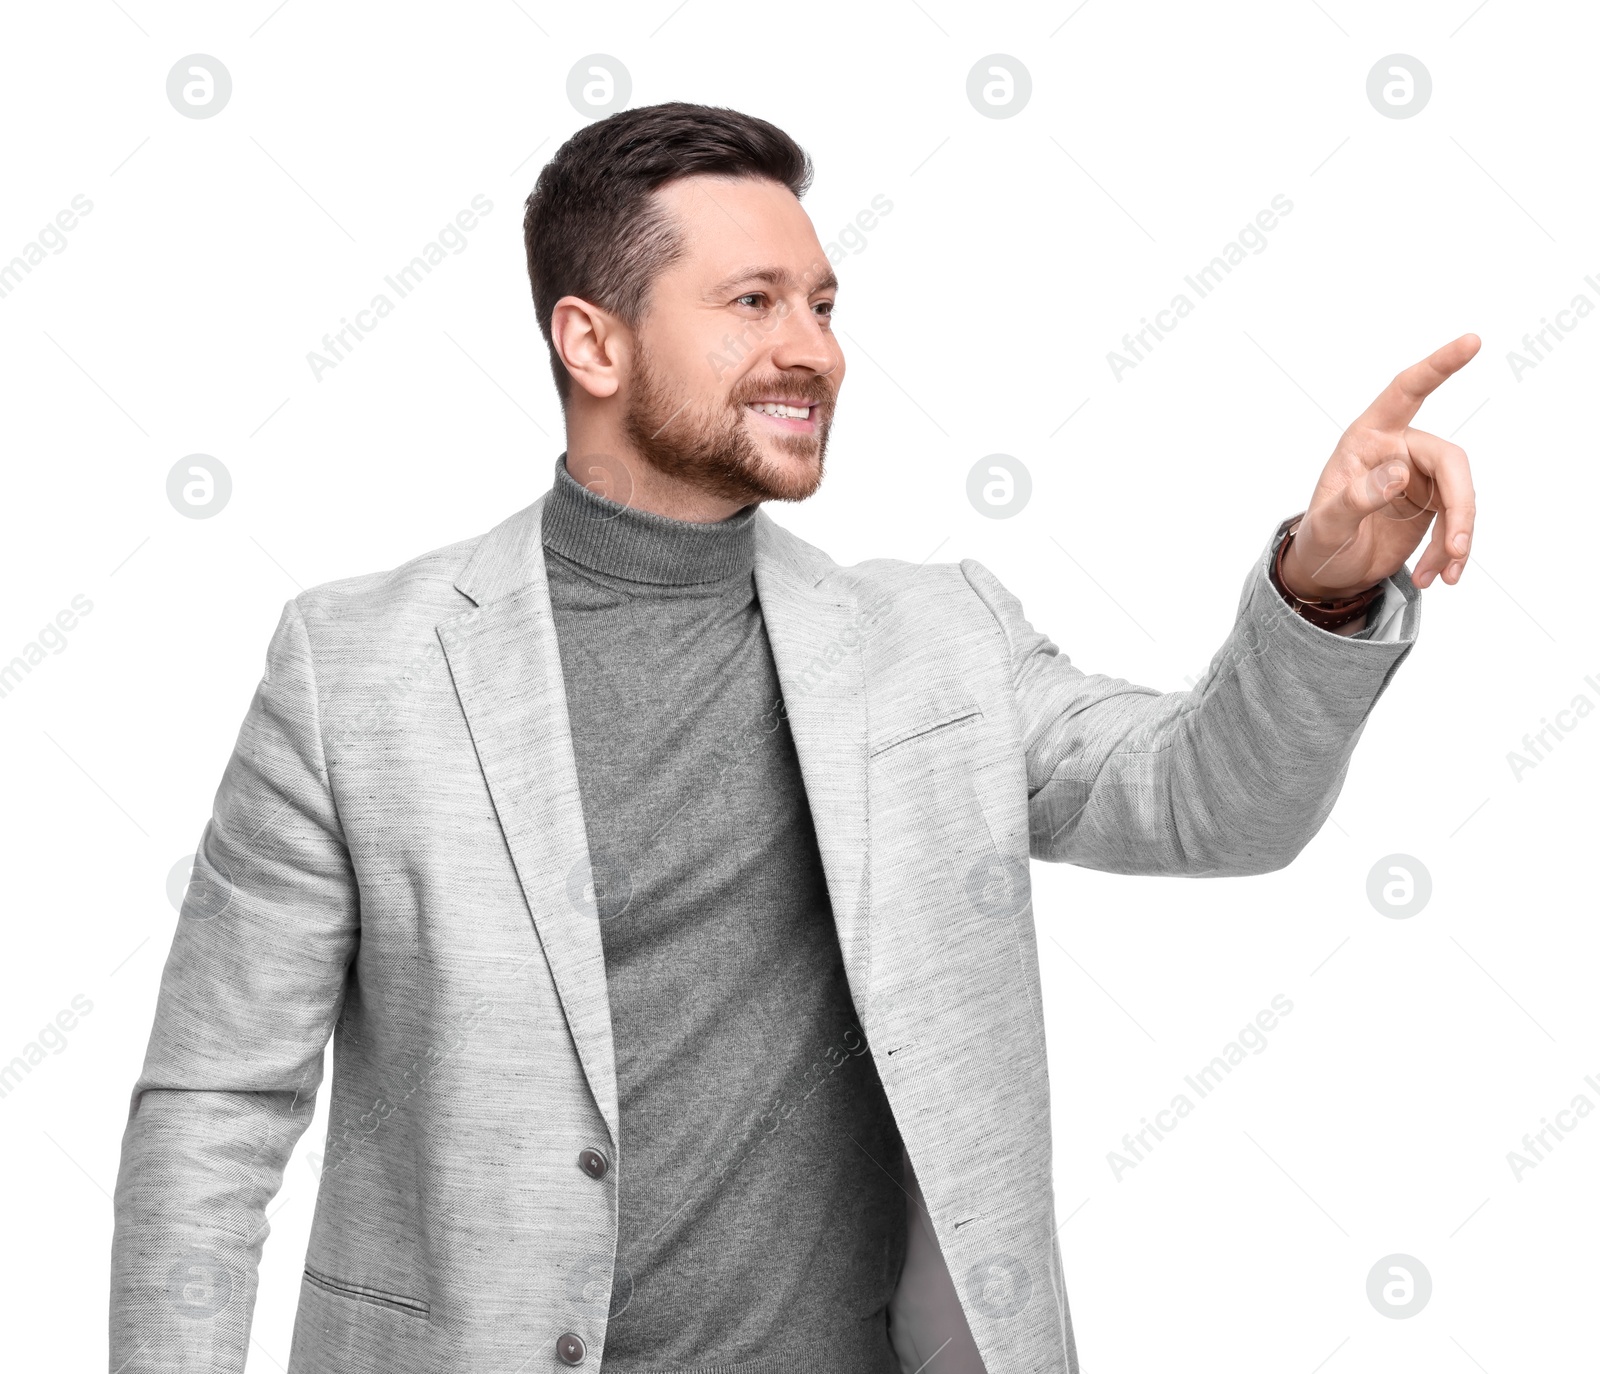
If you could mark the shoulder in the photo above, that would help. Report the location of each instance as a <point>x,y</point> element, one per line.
<point>422,589</point>
<point>935,599</point>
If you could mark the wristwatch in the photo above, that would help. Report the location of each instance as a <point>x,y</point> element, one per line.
<point>1327,613</point>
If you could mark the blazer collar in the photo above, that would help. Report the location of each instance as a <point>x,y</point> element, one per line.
<point>511,556</point>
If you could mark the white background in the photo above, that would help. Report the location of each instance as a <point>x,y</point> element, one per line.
<point>977,317</point>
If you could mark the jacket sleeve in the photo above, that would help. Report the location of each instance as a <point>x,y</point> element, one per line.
<point>251,989</point>
<point>1232,777</point>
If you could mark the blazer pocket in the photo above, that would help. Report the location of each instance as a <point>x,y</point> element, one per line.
<point>947,712</point>
<point>395,1301</point>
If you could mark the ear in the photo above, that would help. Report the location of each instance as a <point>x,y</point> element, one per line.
<point>591,343</point>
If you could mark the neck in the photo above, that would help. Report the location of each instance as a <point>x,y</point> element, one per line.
<point>631,481</point>
<point>627,541</point>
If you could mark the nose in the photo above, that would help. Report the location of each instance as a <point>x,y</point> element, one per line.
<point>802,340</point>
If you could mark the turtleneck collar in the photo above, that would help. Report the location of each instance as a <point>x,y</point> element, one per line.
<point>639,545</point>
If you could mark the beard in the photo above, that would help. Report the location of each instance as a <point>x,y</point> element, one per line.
<point>712,449</point>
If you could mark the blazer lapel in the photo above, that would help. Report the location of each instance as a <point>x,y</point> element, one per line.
<point>815,632</point>
<point>507,672</point>
<point>506,667</point>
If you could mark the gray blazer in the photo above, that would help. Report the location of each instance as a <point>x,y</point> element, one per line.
<point>397,859</point>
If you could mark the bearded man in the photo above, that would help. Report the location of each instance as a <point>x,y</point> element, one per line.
<point>663,885</point>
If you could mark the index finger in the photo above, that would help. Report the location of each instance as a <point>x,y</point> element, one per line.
<point>1403,397</point>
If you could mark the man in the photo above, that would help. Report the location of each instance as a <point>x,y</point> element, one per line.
<point>663,885</point>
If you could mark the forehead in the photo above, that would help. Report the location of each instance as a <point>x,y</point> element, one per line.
<point>725,222</point>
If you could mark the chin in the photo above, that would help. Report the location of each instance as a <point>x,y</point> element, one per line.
<point>791,474</point>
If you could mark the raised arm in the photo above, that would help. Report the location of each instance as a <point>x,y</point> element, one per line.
<point>1238,774</point>
<point>1232,777</point>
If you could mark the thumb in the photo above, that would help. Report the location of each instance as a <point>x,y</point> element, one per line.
<point>1367,495</point>
<point>1328,530</point>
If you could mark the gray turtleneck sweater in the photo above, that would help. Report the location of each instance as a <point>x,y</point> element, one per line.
<point>757,1232</point>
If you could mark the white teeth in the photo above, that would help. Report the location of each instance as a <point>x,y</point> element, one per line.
<point>789,412</point>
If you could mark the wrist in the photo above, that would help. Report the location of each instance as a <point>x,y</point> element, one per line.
<point>1339,610</point>
<point>1301,583</point>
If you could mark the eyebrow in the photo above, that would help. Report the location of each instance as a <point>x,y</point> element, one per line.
<point>779,277</point>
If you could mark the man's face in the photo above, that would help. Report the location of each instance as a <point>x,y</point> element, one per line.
<point>736,369</point>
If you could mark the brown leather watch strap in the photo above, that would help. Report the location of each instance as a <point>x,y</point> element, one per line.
<point>1328,613</point>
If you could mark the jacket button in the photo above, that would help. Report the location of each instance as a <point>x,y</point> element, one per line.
<point>593,1163</point>
<point>570,1348</point>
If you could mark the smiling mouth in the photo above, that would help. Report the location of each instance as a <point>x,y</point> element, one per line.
<point>795,418</point>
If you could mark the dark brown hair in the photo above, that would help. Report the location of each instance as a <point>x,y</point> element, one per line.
<point>590,226</point>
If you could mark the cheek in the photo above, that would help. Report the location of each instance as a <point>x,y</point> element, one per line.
<point>682,352</point>
<point>724,360</point>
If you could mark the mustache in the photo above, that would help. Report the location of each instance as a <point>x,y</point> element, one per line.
<point>814,391</point>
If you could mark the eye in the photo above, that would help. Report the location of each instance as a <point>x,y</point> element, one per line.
<point>753,298</point>
<point>824,308</point>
